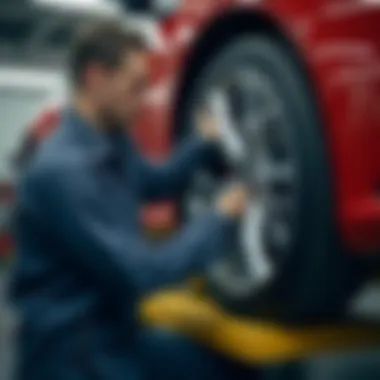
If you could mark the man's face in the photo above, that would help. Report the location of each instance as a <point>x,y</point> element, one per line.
<point>120,92</point>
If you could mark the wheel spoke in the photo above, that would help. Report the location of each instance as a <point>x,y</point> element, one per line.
<point>256,259</point>
<point>280,233</point>
<point>269,172</point>
<point>231,139</point>
<point>255,121</point>
<point>257,141</point>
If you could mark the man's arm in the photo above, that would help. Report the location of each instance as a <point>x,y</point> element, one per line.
<point>98,240</point>
<point>171,178</point>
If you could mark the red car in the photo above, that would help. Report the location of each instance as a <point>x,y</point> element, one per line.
<point>296,85</point>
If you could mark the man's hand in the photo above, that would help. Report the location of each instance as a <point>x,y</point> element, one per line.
<point>207,125</point>
<point>233,201</point>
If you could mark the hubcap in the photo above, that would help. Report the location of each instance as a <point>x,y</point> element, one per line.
<point>256,140</point>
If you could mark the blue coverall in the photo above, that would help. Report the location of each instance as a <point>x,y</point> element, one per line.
<point>82,264</point>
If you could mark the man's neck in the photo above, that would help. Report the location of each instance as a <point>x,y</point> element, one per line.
<point>88,112</point>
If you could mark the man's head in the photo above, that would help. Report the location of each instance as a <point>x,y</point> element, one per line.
<point>109,68</point>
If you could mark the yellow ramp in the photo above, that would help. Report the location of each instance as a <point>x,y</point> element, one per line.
<point>249,341</point>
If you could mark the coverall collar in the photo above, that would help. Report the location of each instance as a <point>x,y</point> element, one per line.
<point>106,144</point>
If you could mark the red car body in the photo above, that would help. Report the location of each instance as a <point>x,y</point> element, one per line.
<point>339,43</point>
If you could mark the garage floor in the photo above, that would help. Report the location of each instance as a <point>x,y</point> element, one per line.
<point>356,365</point>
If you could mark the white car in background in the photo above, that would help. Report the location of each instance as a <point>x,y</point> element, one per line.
<point>24,93</point>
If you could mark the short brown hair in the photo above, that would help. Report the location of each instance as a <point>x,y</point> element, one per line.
<point>105,43</point>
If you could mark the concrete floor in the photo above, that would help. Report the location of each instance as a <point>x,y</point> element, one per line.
<point>355,365</point>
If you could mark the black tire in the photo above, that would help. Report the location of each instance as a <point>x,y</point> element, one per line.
<point>316,278</point>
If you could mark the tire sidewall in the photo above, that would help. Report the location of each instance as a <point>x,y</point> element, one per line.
<point>307,280</point>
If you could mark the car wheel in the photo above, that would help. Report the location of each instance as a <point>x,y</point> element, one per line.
<point>285,261</point>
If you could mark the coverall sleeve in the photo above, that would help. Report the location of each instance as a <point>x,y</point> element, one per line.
<point>71,206</point>
<point>171,178</point>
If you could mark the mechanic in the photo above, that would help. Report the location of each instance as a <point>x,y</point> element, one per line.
<point>82,263</point>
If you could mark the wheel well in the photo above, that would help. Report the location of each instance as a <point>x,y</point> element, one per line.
<point>216,35</point>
